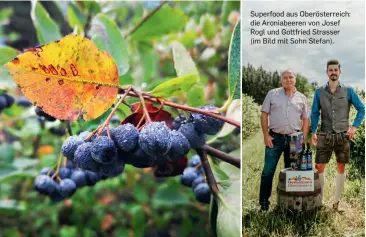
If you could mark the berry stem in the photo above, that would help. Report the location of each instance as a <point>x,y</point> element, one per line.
<point>147,17</point>
<point>141,97</point>
<point>107,121</point>
<point>207,168</point>
<point>68,127</point>
<point>235,161</point>
<point>189,108</point>
<point>58,166</point>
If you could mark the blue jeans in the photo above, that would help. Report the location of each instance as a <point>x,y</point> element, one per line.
<point>272,155</point>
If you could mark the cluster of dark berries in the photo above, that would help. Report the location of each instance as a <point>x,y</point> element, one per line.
<point>193,177</point>
<point>154,145</point>
<point>6,101</point>
<point>71,179</point>
<point>197,126</point>
<point>43,115</point>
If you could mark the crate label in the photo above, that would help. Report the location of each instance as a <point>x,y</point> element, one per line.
<point>299,181</point>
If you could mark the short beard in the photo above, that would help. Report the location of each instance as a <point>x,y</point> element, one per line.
<point>333,79</point>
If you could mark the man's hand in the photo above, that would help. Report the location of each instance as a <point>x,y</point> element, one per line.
<point>314,139</point>
<point>268,141</point>
<point>351,132</point>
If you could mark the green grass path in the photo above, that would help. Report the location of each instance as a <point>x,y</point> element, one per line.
<point>325,222</point>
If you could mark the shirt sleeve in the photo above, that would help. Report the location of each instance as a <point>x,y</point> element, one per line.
<point>360,107</point>
<point>315,111</point>
<point>305,111</point>
<point>266,106</point>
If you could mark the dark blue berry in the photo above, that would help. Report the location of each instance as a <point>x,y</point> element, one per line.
<point>60,131</point>
<point>125,136</point>
<point>57,196</point>
<point>198,180</point>
<point>3,102</point>
<point>178,121</point>
<point>64,173</point>
<point>113,169</point>
<point>155,139</point>
<point>188,176</point>
<point>9,99</point>
<point>44,184</point>
<point>45,171</point>
<point>92,178</point>
<point>70,164</point>
<point>139,159</point>
<point>194,161</point>
<point>23,102</point>
<point>207,124</point>
<point>202,193</point>
<point>83,158</point>
<point>103,150</point>
<point>67,187</point>
<point>195,138</point>
<point>180,145</point>
<point>70,145</point>
<point>79,178</point>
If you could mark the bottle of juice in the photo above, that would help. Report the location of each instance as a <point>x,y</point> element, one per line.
<point>309,158</point>
<point>304,159</point>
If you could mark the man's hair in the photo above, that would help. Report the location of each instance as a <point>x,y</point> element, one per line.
<point>289,71</point>
<point>333,62</point>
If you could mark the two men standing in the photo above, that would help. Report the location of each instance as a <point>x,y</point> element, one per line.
<point>287,109</point>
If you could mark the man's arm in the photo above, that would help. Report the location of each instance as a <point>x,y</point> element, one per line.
<point>264,123</point>
<point>359,106</point>
<point>315,112</point>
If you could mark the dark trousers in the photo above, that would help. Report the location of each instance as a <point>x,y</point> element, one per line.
<point>281,143</point>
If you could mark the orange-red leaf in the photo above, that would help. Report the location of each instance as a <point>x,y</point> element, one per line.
<point>68,78</point>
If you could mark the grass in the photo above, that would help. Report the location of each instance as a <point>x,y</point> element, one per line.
<point>324,222</point>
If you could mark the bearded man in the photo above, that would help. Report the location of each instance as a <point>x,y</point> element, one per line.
<point>333,102</point>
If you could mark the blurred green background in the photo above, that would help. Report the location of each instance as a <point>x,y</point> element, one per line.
<point>135,203</point>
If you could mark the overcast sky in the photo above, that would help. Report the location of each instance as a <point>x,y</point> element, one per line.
<point>310,60</point>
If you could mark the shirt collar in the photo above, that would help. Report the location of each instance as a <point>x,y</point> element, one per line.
<point>339,85</point>
<point>283,89</point>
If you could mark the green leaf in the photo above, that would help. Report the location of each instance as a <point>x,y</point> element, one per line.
<point>228,216</point>
<point>68,231</point>
<point>5,170</point>
<point>196,96</point>
<point>7,153</point>
<point>106,35</point>
<point>165,21</point>
<point>140,193</point>
<point>22,163</point>
<point>234,64</point>
<point>208,28</point>
<point>168,195</point>
<point>175,86</point>
<point>233,112</point>
<point>7,54</point>
<point>183,62</point>
<point>47,29</point>
<point>75,16</point>
<point>188,39</point>
<point>138,220</point>
<point>149,61</point>
<point>9,206</point>
<point>228,200</point>
<point>10,176</point>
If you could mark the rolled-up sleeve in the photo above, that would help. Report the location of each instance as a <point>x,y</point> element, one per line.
<point>266,106</point>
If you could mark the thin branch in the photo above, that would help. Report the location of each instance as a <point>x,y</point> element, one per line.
<point>147,17</point>
<point>141,97</point>
<point>191,109</point>
<point>107,121</point>
<point>211,181</point>
<point>235,161</point>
